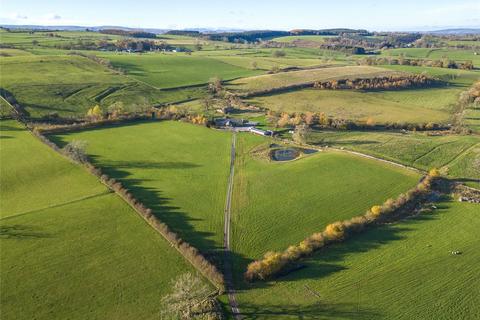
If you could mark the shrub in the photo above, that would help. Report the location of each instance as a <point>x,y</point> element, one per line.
<point>76,151</point>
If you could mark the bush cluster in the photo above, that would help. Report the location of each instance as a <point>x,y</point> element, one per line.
<point>274,263</point>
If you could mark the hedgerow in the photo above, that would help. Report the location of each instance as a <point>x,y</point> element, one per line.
<point>274,263</point>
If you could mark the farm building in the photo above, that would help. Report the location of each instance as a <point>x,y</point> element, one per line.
<point>261,132</point>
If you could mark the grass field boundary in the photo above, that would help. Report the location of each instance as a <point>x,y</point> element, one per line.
<point>190,253</point>
<point>458,156</point>
<point>57,205</point>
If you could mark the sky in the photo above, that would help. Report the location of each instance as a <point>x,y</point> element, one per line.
<point>373,15</point>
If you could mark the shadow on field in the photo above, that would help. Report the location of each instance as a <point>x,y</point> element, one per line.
<point>312,311</point>
<point>178,221</point>
<point>321,141</point>
<point>20,232</point>
<point>152,165</point>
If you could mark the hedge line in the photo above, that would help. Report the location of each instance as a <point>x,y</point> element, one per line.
<point>274,263</point>
<point>188,251</point>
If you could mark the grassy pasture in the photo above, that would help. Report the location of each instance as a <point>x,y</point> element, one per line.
<point>419,105</point>
<point>435,54</point>
<point>399,271</point>
<point>23,187</point>
<point>277,204</point>
<point>179,170</point>
<point>175,70</point>
<point>70,249</point>
<point>24,39</point>
<point>283,79</point>
<point>69,85</point>
<point>413,149</point>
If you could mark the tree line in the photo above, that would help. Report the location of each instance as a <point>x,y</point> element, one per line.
<point>274,263</point>
<point>379,83</point>
<point>401,60</point>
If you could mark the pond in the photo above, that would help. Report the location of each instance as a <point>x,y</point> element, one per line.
<point>286,154</point>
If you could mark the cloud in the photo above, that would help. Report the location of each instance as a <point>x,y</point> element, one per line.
<point>19,16</point>
<point>53,16</point>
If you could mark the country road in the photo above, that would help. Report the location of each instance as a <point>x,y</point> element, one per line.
<point>226,236</point>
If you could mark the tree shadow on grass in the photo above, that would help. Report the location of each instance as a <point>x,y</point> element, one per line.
<point>20,232</point>
<point>178,221</point>
<point>317,310</point>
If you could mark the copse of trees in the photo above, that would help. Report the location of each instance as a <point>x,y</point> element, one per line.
<point>246,36</point>
<point>127,33</point>
<point>189,33</point>
<point>380,83</point>
<point>274,263</point>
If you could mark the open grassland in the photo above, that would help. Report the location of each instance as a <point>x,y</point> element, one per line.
<point>413,149</point>
<point>175,70</point>
<point>277,204</point>
<point>398,271</point>
<point>456,78</point>
<point>435,54</point>
<point>409,106</point>
<point>27,181</point>
<point>70,85</point>
<point>179,170</point>
<point>285,79</point>
<point>46,39</point>
<point>71,249</point>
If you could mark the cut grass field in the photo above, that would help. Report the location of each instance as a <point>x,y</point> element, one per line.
<point>398,271</point>
<point>69,248</point>
<point>175,70</point>
<point>179,170</point>
<point>285,79</point>
<point>276,204</point>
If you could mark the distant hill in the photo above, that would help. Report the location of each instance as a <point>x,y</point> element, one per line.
<point>82,28</point>
<point>456,31</point>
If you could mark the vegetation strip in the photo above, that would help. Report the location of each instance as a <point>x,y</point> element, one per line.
<point>189,252</point>
<point>275,263</point>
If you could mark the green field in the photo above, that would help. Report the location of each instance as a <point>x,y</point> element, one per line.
<point>284,79</point>
<point>435,54</point>
<point>69,247</point>
<point>69,85</point>
<point>270,197</point>
<point>175,70</point>
<point>179,170</point>
<point>410,106</point>
<point>399,271</point>
<point>413,149</point>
